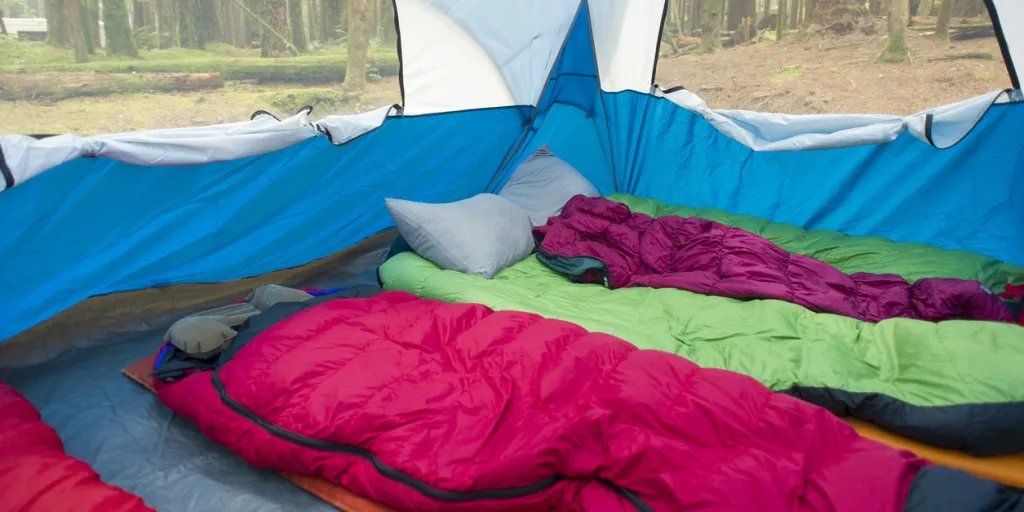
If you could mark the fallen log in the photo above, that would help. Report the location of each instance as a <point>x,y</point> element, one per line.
<point>60,86</point>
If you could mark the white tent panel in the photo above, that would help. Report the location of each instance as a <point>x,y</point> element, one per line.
<point>27,157</point>
<point>465,54</point>
<point>784,132</point>
<point>1011,18</point>
<point>626,36</point>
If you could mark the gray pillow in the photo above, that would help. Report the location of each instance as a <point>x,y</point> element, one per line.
<point>542,185</point>
<point>481,235</point>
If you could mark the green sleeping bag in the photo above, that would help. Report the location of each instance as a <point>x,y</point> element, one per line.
<point>955,384</point>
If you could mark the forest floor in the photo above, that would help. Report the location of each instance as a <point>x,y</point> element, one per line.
<point>809,72</point>
<point>826,74</point>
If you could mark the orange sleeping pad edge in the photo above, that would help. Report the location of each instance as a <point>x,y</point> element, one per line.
<point>1006,469</point>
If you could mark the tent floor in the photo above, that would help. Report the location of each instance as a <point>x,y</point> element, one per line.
<point>70,369</point>
<point>330,493</point>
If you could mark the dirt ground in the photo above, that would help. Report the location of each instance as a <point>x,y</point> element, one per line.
<point>838,75</point>
<point>803,74</point>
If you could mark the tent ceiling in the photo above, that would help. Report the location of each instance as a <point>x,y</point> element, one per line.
<point>466,54</point>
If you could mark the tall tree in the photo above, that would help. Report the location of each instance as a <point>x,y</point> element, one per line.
<point>684,10</point>
<point>118,28</point>
<point>3,27</point>
<point>75,29</point>
<point>696,15</point>
<point>358,45</point>
<point>896,49</point>
<point>208,23</point>
<point>274,14</point>
<point>314,22</point>
<point>91,29</point>
<point>167,23</point>
<point>190,31</point>
<point>332,13</point>
<point>767,9</point>
<point>780,21</point>
<point>295,21</point>
<point>968,8</point>
<point>247,21</point>
<point>57,30</point>
<point>739,9</point>
<point>794,14</point>
<point>942,26</point>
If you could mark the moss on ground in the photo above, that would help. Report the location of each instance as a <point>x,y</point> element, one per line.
<point>896,50</point>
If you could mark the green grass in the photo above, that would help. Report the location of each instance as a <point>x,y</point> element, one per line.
<point>326,65</point>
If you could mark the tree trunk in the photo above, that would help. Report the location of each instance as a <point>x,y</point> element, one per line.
<point>696,16</point>
<point>312,25</point>
<point>780,21</point>
<point>684,11</point>
<point>118,28</point>
<point>190,34</point>
<point>57,30</point>
<point>91,29</point>
<point>968,8</point>
<point>3,27</point>
<point>75,29</point>
<point>794,14</point>
<point>767,10</point>
<point>332,13</point>
<point>942,26</point>
<point>296,23</point>
<point>138,16</point>
<point>167,23</point>
<point>247,21</point>
<point>358,45</point>
<point>737,10</point>
<point>227,17</point>
<point>209,27</point>
<point>896,49</point>
<point>273,13</point>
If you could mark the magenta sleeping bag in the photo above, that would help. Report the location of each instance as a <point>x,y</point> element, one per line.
<point>598,240</point>
<point>421,405</point>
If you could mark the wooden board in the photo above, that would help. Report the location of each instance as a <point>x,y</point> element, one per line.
<point>332,494</point>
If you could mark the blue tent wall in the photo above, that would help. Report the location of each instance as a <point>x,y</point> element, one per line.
<point>95,226</point>
<point>969,197</point>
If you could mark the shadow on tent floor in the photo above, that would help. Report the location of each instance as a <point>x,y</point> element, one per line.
<point>130,438</point>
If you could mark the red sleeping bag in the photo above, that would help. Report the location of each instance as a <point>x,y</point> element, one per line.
<point>37,476</point>
<point>427,406</point>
